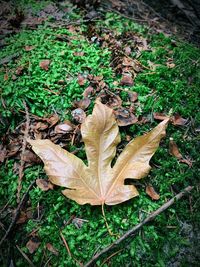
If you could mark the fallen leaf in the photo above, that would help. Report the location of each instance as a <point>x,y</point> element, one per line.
<point>81,80</point>
<point>33,244</point>
<point>151,192</point>
<point>88,91</point>
<point>178,120</point>
<point>44,64</point>
<point>3,153</point>
<point>64,127</point>
<point>125,117</point>
<point>83,103</point>
<point>133,96</point>
<point>29,48</point>
<point>52,249</point>
<point>97,182</point>
<point>44,185</point>
<point>110,99</point>
<point>80,54</point>
<point>160,116</point>
<point>126,80</point>
<point>19,70</point>
<point>78,115</point>
<point>174,151</point>
<point>52,120</point>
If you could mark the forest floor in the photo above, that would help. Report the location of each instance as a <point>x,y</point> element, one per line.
<point>56,58</point>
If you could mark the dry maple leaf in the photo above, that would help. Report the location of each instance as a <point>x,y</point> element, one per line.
<point>98,183</point>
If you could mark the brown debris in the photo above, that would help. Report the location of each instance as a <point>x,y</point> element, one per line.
<point>33,244</point>
<point>44,185</point>
<point>174,151</point>
<point>83,103</point>
<point>78,115</point>
<point>125,117</point>
<point>126,80</point>
<point>44,64</point>
<point>152,193</point>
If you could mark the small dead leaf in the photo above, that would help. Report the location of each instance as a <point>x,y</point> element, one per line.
<point>81,80</point>
<point>3,153</point>
<point>44,185</point>
<point>110,99</point>
<point>88,91</point>
<point>133,96</point>
<point>160,116</point>
<point>30,157</point>
<point>151,192</point>
<point>98,183</point>
<point>178,120</point>
<point>127,50</point>
<point>78,115</point>
<point>173,149</point>
<point>44,64</point>
<point>52,120</point>
<point>125,117</point>
<point>79,54</point>
<point>19,70</point>
<point>127,80</point>
<point>52,249</point>
<point>64,127</point>
<point>83,103</point>
<point>29,48</point>
<point>33,244</point>
<point>6,77</point>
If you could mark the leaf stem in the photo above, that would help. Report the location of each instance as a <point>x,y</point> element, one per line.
<point>106,222</point>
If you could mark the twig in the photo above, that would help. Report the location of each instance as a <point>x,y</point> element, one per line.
<point>135,229</point>
<point>25,256</point>
<point>65,243</point>
<point>22,202</point>
<point>22,162</point>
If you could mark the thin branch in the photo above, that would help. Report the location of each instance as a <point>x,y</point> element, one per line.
<point>17,212</point>
<point>135,229</point>
<point>22,162</point>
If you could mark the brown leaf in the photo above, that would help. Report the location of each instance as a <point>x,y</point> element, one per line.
<point>81,80</point>
<point>178,120</point>
<point>29,157</point>
<point>133,96</point>
<point>110,99</point>
<point>63,128</point>
<point>88,91</point>
<point>53,119</point>
<point>43,184</point>
<point>52,249</point>
<point>29,48</point>
<point>19,70</point>
<point>83,103</point>
<point>173,149</point>
<point>125,117</point>
<point>151,192</point>
<point>44,64</point>
<point>98,183</point>
<point>78,115</point>
<point>3,153</point>
<point>160,116</point>
<point>127,80</point>
<point>33,244</point>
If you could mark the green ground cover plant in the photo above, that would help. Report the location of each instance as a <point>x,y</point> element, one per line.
<point>161,87</point>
